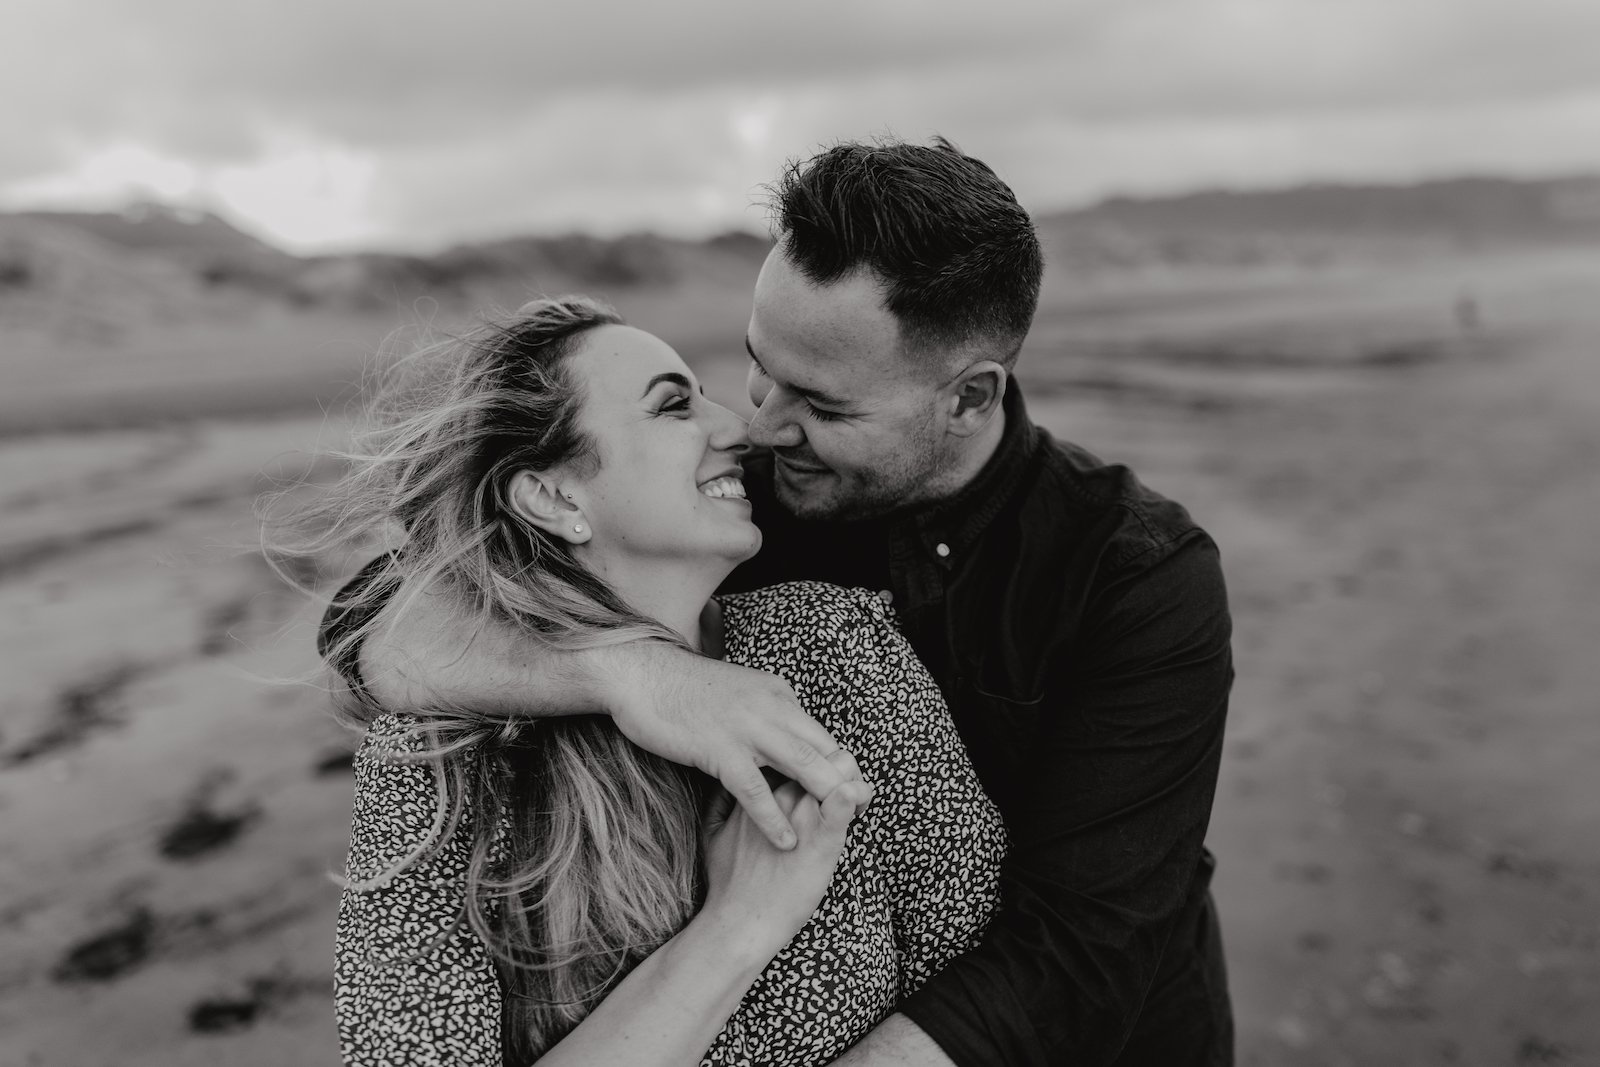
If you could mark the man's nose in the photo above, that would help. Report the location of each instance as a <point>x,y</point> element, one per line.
<point>772,427</point>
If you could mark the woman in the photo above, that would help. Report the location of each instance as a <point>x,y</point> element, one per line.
<point>524,890</point>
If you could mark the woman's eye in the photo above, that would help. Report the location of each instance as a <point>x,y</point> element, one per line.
<point>676,405</point>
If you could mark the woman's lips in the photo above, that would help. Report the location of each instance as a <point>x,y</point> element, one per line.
<point>726,487</point>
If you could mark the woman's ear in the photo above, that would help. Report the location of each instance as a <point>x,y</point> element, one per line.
<point>538,498</point>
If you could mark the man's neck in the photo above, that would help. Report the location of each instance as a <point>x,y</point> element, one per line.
<point>972,458</point>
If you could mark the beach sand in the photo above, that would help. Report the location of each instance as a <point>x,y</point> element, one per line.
<point>1408,505</point>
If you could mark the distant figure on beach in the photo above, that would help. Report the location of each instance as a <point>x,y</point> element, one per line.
<point>1467,315</point>
<point>1074,622</point>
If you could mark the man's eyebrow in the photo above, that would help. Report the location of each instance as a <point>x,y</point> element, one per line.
<point>816,395</point>
<point>670,376</point>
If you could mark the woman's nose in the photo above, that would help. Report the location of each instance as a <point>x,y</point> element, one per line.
<point>729,433</point>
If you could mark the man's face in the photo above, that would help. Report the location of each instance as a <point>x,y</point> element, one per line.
<point>856,428</point>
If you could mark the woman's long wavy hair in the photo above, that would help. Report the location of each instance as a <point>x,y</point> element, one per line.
<point>585,850</point>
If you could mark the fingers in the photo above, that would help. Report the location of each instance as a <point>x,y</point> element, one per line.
<point>841,806</point>
<point>749,787</point>
<point>803,752</point>
<point>846,765</point>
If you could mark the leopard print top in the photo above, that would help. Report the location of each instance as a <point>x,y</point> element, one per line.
<point>916,885</point>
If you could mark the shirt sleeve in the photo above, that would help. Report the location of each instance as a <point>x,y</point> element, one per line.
<point>941,840</point>
<point>1107,832</point>
<point>413,984</point>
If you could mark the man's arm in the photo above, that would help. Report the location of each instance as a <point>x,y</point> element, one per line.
<point>1108,833</point>
<point>895,1042</point>
<point>726,720</point>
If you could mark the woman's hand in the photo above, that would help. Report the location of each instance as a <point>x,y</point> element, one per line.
<point>765,894</point>
<point>669,1009</point>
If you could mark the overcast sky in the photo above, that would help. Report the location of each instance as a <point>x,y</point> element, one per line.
<point>333,123</point>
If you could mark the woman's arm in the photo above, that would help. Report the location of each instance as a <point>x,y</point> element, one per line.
<point>439,1008</point>
<point>670,1008</point>
<point>413,985</point>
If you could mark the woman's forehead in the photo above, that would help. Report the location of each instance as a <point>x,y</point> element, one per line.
<point>619,361</point>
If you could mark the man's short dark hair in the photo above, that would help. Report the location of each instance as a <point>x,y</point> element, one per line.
<point>956,254</point>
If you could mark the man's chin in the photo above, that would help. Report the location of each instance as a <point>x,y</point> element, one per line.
<point>827,503</point>
<point>814,498</point>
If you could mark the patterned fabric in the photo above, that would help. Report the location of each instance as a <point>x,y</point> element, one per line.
<point>916,884</point>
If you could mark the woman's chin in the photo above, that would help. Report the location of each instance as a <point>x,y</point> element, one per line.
<point>755,543</point>
<point>739,548</point>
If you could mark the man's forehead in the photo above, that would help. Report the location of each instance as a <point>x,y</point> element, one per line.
<point>829,369</point>
<point>834,338</point>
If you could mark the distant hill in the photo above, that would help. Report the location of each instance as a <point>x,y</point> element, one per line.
<point>1314,224</point>
<point>66,278</point>
<point>162,229</point>
<point>202,252</point>
<point>549,264</point>
<point>1465,207</point>
<point>188,256</point>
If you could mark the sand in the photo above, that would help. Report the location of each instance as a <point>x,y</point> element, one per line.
<point>1408,814</point>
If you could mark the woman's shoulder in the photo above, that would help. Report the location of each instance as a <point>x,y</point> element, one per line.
<point>809,604</point>
<point>840,650</point>
<point>810,620</point>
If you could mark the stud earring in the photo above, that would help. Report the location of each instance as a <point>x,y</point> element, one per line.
<point>577,527</point>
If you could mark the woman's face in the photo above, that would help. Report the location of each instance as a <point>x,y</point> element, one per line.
<point>669,486</point>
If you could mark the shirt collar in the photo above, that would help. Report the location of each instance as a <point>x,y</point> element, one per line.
<point>958,522</point>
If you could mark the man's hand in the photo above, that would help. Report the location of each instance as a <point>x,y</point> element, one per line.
<point>728,721</point>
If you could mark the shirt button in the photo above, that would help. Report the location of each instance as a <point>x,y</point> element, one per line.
<point>942,548</point>
<point>886,595</point>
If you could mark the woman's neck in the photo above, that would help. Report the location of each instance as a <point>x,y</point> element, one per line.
<point>676,595</point>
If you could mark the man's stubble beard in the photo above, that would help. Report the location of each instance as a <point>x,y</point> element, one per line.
<point>908,488</point>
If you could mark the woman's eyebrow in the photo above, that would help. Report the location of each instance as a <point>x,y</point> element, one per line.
<point>670,376</point>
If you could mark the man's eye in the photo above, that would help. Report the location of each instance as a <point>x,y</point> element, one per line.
<point>822,414</point>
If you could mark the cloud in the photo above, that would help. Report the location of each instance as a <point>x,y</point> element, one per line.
<point>415,123</point>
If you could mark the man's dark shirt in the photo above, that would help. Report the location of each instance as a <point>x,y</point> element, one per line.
<point>1078,625</point>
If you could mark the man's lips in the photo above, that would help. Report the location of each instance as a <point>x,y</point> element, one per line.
<point>799,467</point>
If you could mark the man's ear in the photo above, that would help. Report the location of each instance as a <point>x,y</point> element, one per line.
<point>975,397</point>
<point>537,497</point>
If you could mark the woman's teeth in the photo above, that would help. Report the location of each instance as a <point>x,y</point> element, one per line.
<point>719,488</point>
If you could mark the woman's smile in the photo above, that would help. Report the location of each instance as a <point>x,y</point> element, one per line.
<point>725,487</point>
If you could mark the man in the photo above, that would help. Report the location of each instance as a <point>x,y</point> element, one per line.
<point>1076,621</point>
